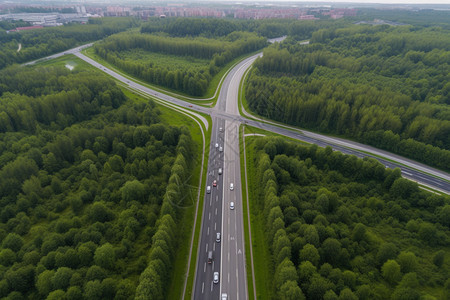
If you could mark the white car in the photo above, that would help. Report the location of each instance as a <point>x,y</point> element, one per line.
<point>224,296</point>
<point>217,145</point>
<point>218,237</point>
<point>220,171</point>
<point>232,205</point>
<point>216,277</point>
<point>220,129</point>
<point>231,186</point>
<point>220,149</point>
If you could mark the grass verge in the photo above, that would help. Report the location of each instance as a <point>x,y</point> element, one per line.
<point>247,233</point>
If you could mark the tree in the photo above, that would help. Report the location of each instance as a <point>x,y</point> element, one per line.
<point>44,284</point>
<point>318,287</point>
<point>347,294</point>
<point>105,256</point>
<point>74,293</point>
<point>285,272</point>
<point>359,232</point>
<point>330,250</point>
<point>93,290</point>
<point>385,252</point>
<point>13,241</point>
<point>61,278</point>
<point>391,272</point>
<point>407,261</point>
<point>7,257</point>
<point>56,295</point>
<point>291,291</point>
<point>438,258</point>
<point>133,190</point>
<point>309,253</point>
<point>311,235</point>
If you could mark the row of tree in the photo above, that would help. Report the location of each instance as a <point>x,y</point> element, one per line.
<point>82,204</point>
<point>343,84</point>
<point>219,52</point>
<point>339,227</point>
<point>46,41</point>
<point>155,279</point>
<point>57,98</point>
<point>213,27</point>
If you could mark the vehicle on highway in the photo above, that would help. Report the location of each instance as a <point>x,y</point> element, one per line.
<point>218,237</point>
<point>224,296</point>
<point>220,149</point>
<point>231,186</point>
<point>221,129</point>
<point>214,183</point>
<point>210,257</point>
<point>216,277</point>
<point>231,205</point>
<point>208,189</point>
<point>217,145</point>
<point>220,171</point>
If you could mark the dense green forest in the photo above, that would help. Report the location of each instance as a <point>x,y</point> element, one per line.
<point>339,227</point>
<point>381,85</point>
<point>46,41</point>
<point>88,184</point>
<point>213,28</point>
<point>216,52</point>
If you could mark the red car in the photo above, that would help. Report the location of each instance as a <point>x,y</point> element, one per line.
<point>215,182</point>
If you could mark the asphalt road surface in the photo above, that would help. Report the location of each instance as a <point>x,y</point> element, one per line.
<point>204,287</point>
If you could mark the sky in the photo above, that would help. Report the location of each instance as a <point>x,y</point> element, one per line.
<point>369,1</point>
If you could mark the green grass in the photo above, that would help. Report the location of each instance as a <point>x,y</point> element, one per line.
<point>261,256</point>
<point>62,61</point>
<point>248,265</point>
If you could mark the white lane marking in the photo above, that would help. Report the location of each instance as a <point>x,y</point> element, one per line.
<point>407,173</point>
<point>228,256</point>
<point>206,248</point>
<point>211,285</point>
<point>215,226</point>
<point>207,233</point>
<point>209,216</point>
<point>204,268</point>
<point>228,277</point>
<point>214,246</point>
<point>217,198</point>
<point>210,201</point>
<point>216,211</point>
<point>203,287</point>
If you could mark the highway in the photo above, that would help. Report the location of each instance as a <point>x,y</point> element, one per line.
<point>204,288</point>
<point>229,255</point>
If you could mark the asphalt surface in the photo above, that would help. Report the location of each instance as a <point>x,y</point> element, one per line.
<point>229,256</point>
<point>204,287</point>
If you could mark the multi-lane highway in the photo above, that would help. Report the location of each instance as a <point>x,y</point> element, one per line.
<point>228,254</point>
<point>209,250</point>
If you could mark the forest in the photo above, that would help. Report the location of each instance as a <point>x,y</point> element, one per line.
<point>382,85</point>
<point>88,183</point>
<point>339,227</point>
<point>216,53</point>
<point>42,42</point>
<point>213,28</point>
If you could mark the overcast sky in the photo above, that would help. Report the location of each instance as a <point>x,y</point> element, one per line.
<point>368,1</point>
